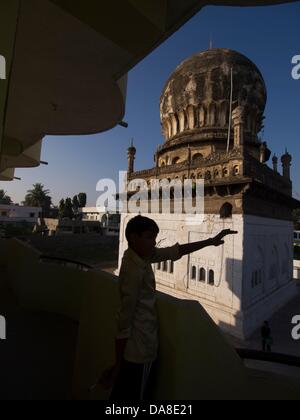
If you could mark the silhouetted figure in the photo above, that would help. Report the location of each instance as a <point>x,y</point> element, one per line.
<point>266,335</point>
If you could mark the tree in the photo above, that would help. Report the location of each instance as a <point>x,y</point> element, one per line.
<point>69,209</point>
<point>82,198</point>
<point>296,218</point>
<point>4,198</point>
<point>66,209</point>
<point>61,209</point>
<point>76,204</point>
<point>38,197</point>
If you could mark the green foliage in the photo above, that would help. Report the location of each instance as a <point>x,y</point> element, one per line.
<point>38,197</point>
<point>12,230</point>
<point>4,198</point>
<point>297,252</point>
<point>82,199</point>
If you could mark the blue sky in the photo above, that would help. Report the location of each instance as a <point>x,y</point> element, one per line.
<point>269,36</point>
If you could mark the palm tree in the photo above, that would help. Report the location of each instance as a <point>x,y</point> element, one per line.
<point>38,197</point>
<point>4,198</point>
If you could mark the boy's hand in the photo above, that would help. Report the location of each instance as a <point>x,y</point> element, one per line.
<point>109,376</point>
<point>218,240</point>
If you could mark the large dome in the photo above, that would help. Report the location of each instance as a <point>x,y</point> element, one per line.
<point>196,97</point>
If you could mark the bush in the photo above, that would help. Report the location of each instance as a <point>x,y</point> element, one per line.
<point>297,252</point>
<point>11,230</point>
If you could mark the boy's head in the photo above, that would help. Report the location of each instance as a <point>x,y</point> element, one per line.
<point>141,233</point>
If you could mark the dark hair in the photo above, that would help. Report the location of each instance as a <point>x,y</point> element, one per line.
<point>139,225</point>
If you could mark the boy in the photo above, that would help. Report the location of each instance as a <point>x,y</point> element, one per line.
<point>137,339</point>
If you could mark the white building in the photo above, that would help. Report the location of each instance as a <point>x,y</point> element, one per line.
<point>14,214</point>
<point>110,220</point>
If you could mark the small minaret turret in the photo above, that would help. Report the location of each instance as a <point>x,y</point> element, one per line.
<point>131,158</point>
<point>275,163</point>
<point>286,161</point>
<point>263,150</point>
<point>238,119</point>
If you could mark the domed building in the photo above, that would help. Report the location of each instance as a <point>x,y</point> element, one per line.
<point>212,113</point>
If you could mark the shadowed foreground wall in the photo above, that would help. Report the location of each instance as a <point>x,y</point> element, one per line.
<point>196,362</point>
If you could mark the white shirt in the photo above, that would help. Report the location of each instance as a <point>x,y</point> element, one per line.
<point>137,318</point>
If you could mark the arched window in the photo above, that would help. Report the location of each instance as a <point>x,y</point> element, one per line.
<point>197,156</point>
<point>158,266</point>
<point>226,211</point>
<point>211,278</point>
<point>175,160</point>
<point>165,266</point>
<point>225,172</point>
<point>171,267</point>
<point>202,277</point>
<point>236,171</point>
<point>194,273</point>
<point>208,175</point>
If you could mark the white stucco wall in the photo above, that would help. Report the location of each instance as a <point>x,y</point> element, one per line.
<point>261,244</point>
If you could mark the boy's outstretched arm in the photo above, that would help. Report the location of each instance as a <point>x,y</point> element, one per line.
<point>186,249</point>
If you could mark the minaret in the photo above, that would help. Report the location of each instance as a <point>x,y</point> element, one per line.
<point>286,161</point>
<point>131,158</point>
<point>275,163</point>
<point>262,150</point>
<point>238,118</point>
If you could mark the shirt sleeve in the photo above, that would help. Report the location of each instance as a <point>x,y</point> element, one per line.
<point>130,282</point>
<point>171,253</point>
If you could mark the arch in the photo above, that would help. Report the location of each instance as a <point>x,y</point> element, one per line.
<point>182,121</point>
<point>191,117</point>
<point>197,156</point>
<point>169,125</point>
<point>236,170</point>
<point>171,267</point>
<point>212,115</point>
<point>202,117</point>
<point>202,275</point>
<point>194,273</point>
<point>175,160</point>
<point>174,122</point>
<point>225,172</point>
<point>211,278</point>
<point>224,114</point>
<point>208,175</point>
<point>226,211</point>
<point>165,266</point>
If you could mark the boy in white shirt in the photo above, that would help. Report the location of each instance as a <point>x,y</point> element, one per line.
<point>137,338</point>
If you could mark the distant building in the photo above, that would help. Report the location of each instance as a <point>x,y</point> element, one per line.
<point>110,221</point>
<point>64,227</point>
<point>297,237</point>
<point>17,214</point>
